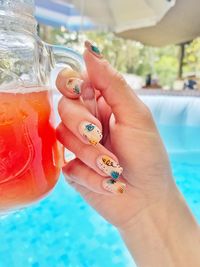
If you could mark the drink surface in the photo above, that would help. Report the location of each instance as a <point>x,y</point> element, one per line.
<point>29,152</point>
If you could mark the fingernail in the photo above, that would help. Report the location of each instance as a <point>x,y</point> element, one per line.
<point>73,86</point>
<point>109,166</point>
<point>114,186</point>
<point>93,49</point>
<point>90,132</point>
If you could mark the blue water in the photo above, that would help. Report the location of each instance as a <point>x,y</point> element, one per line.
<point>183,146</point>
<point>63,231</point>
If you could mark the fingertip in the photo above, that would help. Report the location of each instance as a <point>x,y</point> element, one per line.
<point>69,83</point>
<point>114,186</point>
<point>90,58</point>
<point>100,71</point>
<point>80,121</point>
<point>77,172</point>
<point>93,49</point>
<point>90,132</point>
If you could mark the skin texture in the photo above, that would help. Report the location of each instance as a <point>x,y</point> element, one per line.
<point>128,129</point>
<point>130,138</point>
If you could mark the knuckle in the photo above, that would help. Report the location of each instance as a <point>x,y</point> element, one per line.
<point>105,65</point>
<point>118,80</point>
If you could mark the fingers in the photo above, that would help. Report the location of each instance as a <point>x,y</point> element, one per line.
<point>81,174</point>
<point>69,83</point>
<point>112,85</point>
<point>96,157</point>
<point>80,121</point>
<point>124,103</point>
<point>77,172</point>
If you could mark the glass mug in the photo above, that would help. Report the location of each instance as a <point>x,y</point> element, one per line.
<point>29,152</point>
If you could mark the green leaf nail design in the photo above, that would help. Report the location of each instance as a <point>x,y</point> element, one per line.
<point>95,49</point>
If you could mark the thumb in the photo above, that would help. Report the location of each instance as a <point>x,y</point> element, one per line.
<point>113,87</point>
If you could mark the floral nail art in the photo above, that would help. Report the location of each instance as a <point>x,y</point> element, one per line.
<point>109,166</point>
<point>114,186</point>
<point>91,132</point>
<point>93,49</point>
<point>74,85</point>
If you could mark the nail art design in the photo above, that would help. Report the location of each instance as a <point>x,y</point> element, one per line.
<point>74,85</point>
<point>109,166</point>
<point>114,186</point>
<point>91,132</point>
<point>93,49</point>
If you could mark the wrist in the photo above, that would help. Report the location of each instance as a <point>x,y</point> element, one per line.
<point>162,233</point>
<point>157,210</point>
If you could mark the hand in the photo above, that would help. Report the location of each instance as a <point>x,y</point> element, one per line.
<point>130,137</point>
<point>150,213</point>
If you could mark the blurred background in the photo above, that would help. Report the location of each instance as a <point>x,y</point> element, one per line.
<point>166,57</point>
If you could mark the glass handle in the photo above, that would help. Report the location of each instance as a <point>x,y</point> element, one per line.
<point>62,57</point>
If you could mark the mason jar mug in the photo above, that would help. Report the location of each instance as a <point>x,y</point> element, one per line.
<point>29,152</point>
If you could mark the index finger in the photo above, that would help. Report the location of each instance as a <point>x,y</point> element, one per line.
<point>112,86</point>
<point>69,83</point>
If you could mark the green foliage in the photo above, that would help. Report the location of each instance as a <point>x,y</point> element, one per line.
<point>192,57</point>
<point>132,57</point>
<point>166,64</point>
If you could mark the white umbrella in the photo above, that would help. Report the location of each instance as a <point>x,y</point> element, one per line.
<point>180,25</point>
<point>121,15</point>
<point>152,22</point>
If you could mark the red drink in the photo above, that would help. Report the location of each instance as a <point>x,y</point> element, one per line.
<point>29,153</point>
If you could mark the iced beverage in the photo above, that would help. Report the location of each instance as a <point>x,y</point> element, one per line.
<point>29,153</point>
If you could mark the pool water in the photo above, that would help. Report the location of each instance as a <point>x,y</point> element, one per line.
<point>63,231</point>
<point>60,231</point>
<point>183,146</point>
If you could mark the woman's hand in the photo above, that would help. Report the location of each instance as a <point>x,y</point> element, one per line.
<point>129,140</point>
<point>150,213</point>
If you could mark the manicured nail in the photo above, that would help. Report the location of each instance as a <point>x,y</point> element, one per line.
<point>73,85</point>
<point>114,186</point>
<point>91,132</point>
<point>109,166</point>
<point>93,49</point>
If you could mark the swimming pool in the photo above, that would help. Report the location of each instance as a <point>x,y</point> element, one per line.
<point>62,231</point>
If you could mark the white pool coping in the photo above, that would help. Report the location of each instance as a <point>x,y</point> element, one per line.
<point>168,107</point>
<point>159,92</point>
